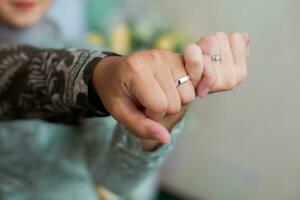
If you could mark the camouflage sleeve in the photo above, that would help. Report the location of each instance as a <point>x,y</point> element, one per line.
<point>48,83</point>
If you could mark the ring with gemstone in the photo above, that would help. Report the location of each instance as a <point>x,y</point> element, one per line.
<point>216,58</point>
<point>182,80</point>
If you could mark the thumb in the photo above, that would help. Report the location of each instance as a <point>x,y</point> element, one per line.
<point>209,78</point>
<point>139,124</point>
<point>194,64</point>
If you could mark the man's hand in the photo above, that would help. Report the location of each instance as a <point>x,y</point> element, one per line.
<point>139,90</point>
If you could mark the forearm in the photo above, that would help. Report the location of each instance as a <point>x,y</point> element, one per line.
<point>44,83</point>
<point>116,158</point>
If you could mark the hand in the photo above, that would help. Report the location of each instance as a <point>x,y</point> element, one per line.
<point>214,76</point>
<point>138,90</point>
<point>225,74</point>
<point>168,122</point>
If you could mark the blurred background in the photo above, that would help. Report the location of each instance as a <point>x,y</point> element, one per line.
<point>239,145</point>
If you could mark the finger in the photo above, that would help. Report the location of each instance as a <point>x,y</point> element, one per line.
<point>150,95</point>
<point>209,78</point>
<point>210,46</point>
<point>186,91</point>
<point>167,84</point>
<point>225,49</point>
<point>238,48</point>
<point>227,77</point>
<point>139,124</point>
<point>193,60</point>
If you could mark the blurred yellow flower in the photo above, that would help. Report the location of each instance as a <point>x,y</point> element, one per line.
<point>106,194</point>
<point>95,39</point>
<point>166,41</point>
<point>121,39</point>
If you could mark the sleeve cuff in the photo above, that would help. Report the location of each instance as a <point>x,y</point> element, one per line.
<point>131,165</point>
<point>132,146</point>
<point>83,90</point>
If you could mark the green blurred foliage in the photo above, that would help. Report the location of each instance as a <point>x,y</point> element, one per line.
<point>109,28</point>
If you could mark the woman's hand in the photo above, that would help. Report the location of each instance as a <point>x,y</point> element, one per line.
<point>139,90</point>
<point>225,74</point>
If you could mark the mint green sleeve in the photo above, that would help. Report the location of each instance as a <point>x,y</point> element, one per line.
<point>116,159</point>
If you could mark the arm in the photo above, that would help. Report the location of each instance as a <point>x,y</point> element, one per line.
<point>123,164</point>
<point>46,83</point>
<point>117,157</point>
<point>120,164</point>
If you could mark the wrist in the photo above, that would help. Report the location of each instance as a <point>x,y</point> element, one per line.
<point>103,67</point>
<point>93,96</point>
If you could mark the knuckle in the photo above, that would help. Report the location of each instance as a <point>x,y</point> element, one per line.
<point>208,44</point>
<point>195,60</point>
<point>236,36</point>
<point>173,109</point>
<point>236,40</point>
<point>243,76</point>
<point>187,99</point>
<point>210,40</point>
<point>161,107</point>
<point>156,54</point>
<point>158,57</point>
<point>136,69</point>
<point>230,83</point>
<point>132,64</point>
<point>221,35</point>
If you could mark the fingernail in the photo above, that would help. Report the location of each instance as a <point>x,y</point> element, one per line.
<point>159,133</point>
<point>161,137</point>
<point>247,37</point>
<point>203,93</point>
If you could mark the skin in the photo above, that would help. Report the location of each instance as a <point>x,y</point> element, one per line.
<point>142,90</point>
<point>142,93</point>
<point>232,70</point>
<point>23,17</point>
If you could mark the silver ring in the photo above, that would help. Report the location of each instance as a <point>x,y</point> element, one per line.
<point>182,80</point>
<point>216,58</point>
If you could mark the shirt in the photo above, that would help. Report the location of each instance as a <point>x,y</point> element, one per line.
<point>55,143</point>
